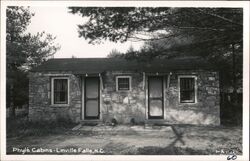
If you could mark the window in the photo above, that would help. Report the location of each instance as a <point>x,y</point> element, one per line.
<point>60,91</point>
<point>123,83</point>
<point>187,89</point>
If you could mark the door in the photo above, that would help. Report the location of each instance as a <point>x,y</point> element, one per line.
<point>91,101</point>
<point>155,97</point>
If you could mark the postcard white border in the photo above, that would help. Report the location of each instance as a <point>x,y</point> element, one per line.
<point>242,4</point>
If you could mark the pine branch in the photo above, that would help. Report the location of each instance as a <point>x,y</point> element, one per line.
<point>200,28</point>
<point>220,17</point>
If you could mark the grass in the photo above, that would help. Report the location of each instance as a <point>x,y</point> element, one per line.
<point>150,150</point>
<point>198,140</point>
<point>21,127</point>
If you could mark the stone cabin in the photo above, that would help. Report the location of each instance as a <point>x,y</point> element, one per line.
<point>175,91</point>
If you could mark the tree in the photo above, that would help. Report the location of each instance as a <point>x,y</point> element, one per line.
<point>115,54</point>
<point>73,57</point>
<point>23,51</point>
<point>213,33</point>
<point>228,59</point>
<point>135,23</point>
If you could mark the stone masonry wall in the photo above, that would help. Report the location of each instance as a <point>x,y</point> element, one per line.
<point>207,108</point>
<point>123,105</point>
<point>127,105</point>
<point>40,108</point>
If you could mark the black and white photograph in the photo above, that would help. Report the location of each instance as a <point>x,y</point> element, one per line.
<point>102,79</point>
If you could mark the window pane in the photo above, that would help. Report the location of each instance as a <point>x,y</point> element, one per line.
<point>187,95</point>
<point>92,90</point>
<point>56,97</point>
<point>155,108</point>
<point>64,85</point>
<point>92,108</point>
<point>123,83</point>
<point>187,90</point>
<point>155,87</point>
<point>60,91</point>
<point>57,84</point>
<point>62,97</point>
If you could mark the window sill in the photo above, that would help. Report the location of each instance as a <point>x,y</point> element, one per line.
<point>125,91</point>
<point>187,103</point>
<point>59,105</point>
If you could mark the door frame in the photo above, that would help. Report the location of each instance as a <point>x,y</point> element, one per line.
<point>84,99</point>
<point>162,98</point>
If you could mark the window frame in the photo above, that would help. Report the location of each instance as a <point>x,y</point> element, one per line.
<point>116,82</point>
<point>52,91</point>
<point>195,89</point>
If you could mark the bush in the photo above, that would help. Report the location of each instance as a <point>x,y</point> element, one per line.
<point>20,127</point>
<point>113,122</point>
<point>132,121</point>
<point>231,114</point>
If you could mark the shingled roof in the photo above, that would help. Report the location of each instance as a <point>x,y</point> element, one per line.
<point>98,65</point>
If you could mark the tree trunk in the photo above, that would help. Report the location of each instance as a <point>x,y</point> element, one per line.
<point>234,76</point>
<point>12,106</point>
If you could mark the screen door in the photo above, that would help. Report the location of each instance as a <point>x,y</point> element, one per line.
<point>155,97</point>
<point>91,98</point>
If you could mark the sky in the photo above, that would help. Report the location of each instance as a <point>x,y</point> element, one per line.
<point>58,22</point>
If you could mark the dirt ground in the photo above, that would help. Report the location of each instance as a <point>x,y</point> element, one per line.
<point>151,140</point>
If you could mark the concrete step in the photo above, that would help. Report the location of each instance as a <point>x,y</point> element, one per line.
<point>90,122</point>
<point>156,122</point>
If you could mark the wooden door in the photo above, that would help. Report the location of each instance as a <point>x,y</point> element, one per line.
<point>92,97</point>
<point>155,97</point>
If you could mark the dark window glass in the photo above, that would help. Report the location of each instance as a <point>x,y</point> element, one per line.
<point>187,90</point>
<point>60,91</point>
<point>123,83</point>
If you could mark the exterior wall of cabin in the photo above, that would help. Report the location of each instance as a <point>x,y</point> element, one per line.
<point>123,105</point>
<point>207,108</point>
<point>126,106</point>
<point>40,107</point>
